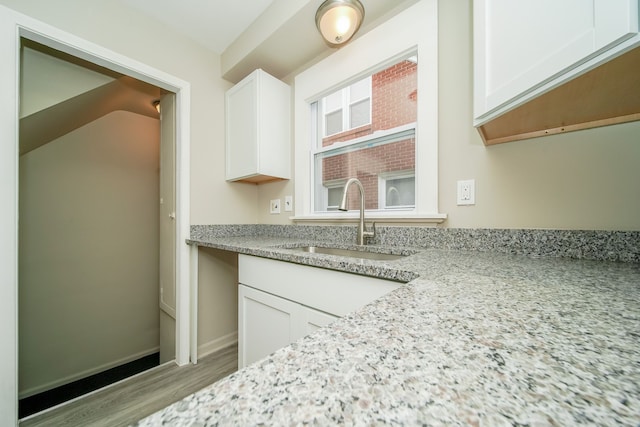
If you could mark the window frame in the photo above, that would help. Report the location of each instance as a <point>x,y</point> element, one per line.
<point>415,30</point>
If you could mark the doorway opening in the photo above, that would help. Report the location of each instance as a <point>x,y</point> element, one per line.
<point>97,256</point>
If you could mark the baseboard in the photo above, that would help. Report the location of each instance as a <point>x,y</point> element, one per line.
<point>217,344</point>
<point>71,378</point>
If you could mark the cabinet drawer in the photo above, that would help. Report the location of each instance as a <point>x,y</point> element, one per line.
<point>330,291</point>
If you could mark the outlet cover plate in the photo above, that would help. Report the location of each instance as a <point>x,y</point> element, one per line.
<point>466,192</point>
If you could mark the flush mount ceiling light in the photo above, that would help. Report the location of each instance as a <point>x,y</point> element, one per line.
<point>338,20</point>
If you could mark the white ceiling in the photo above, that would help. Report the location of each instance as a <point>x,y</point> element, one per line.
<point>278,36</point>
<point>212,23</point>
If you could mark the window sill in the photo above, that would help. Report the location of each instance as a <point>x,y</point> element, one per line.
<point>380,218</point>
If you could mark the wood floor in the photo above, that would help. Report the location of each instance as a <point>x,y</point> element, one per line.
<point>130,400</point>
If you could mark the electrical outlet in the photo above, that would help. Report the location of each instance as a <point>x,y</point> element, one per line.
<point>274,206</point>
<point>467,192</point>
<point>288,203</point>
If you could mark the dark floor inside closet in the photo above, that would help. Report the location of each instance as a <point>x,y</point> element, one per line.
<point>47,399</point>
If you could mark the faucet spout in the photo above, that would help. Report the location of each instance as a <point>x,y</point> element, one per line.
<point>362,233</point>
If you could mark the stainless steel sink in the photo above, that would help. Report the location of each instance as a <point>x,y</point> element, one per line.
<point>352,253</point>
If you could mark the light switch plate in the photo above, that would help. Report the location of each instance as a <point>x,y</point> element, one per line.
<point>274,206</point>
<point>288,203</point>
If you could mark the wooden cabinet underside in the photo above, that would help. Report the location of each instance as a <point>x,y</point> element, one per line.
<point>606,95</point>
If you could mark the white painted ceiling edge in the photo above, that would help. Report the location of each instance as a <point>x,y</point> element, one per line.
<point>284,38</point>
<point>279,36</point>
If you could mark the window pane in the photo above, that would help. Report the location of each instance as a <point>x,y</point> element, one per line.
<point>333,102</point>
<point>367,161</point>
<point>360,113</point>
<point>360,90</point>
<point>334,197</point>
<point>395,95</point>
<point>333,122</point>
<point>400,192</point>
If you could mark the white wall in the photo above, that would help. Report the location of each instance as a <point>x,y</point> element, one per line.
<point>217,299</point>
<point>88,259</point>
<point>579,180</point>
<point>128,32</point>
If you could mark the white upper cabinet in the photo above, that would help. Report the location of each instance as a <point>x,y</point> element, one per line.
<point>258,129</point>
<point>523,49</point>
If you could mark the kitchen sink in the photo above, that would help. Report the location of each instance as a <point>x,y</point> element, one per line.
<point>352,253</point>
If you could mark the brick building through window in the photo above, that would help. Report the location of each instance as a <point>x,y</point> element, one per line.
<point>380,153</point>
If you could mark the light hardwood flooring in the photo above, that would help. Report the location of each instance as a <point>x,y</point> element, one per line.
<point>132,399</point>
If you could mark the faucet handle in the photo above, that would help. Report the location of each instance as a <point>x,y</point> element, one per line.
<point>370,234</point>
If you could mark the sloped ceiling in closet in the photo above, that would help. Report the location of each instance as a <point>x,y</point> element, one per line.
<point>60,93</point>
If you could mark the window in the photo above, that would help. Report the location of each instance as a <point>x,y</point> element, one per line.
<point>337,125</point>
<point>379,140</point>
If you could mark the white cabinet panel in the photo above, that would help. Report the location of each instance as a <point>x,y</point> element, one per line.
<point>266,323</point>
<point>258,129</point>
<point>522,45</point>
<point>242,128</point>
<point>330,291</point>
<point>314,320</point>
<point>281,302</point>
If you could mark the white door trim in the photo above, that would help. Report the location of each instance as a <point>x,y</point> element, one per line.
<point>13,26</point>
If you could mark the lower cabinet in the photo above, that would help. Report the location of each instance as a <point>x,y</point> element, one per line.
<point>314,320</point>
<point>267,323</point>
<point>280,302</point>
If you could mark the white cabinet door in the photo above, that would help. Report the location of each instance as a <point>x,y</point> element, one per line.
<point>242,129</point>
<point>521,45</point>
<point>266,323</point>
<point>258,129</point>
<point>314,320</point>
<point>280,302</point>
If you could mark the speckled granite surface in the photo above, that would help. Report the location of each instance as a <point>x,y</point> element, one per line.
<point>599,245</point>
<point>476,338</point>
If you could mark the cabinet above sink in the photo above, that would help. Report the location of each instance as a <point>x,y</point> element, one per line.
<point>547,67</point>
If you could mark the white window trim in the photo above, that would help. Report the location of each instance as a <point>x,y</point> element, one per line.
<point>375,135</point>
<point>414,30</point>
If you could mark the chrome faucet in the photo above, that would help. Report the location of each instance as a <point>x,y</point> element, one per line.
<point>362,233</point>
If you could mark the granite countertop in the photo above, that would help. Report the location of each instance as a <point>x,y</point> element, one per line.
<point>474,338</point>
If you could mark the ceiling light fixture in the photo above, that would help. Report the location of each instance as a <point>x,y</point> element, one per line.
<point>156,104</point>
<point>338,20</point>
